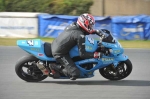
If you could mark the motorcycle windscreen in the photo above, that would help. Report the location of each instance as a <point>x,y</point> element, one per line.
<point>108,37</point>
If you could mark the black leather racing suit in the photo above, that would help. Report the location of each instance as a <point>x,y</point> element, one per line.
<point>71,36</point>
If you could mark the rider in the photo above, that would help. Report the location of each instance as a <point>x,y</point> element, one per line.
<point>74,34</point>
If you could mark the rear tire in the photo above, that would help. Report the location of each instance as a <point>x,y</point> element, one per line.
<point>123,70</point>
<point>27,75</point>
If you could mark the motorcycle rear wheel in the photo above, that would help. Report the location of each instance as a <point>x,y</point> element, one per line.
<point>123,70</point>
<point>27,71</point>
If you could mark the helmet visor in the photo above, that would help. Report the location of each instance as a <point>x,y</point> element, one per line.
<point>91,26</point>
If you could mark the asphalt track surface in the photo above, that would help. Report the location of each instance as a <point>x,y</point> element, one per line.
<point>135,86</point>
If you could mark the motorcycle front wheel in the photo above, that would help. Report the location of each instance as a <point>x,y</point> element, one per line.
<point>123,70</point>
<point>27,71</point>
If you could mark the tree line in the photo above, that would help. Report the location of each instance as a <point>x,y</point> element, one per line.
<point>68,7</point>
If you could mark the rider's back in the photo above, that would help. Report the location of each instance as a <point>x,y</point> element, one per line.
<point>66,40</point>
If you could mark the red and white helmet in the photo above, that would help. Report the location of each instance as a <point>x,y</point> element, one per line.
<point>86,22</point>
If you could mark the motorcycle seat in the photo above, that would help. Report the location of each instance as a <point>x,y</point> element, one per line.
<point>47,49</point>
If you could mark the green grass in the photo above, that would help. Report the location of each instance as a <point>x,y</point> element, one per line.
<point>125,44</point>
<point>135,43</point>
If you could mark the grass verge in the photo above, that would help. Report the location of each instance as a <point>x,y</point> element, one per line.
<point>125,44</point>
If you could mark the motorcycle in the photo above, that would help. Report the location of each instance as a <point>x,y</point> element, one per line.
<point>113,65</point>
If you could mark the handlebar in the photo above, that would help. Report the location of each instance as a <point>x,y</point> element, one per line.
<point>100,33</point>
<point>101,38</point>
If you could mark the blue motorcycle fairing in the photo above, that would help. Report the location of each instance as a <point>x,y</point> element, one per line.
<point>119,58</point>
<point>116,52</point>
<point>116,48</point>
<point>99,63</point>
<point>90,46</point>
<point>36,48</point>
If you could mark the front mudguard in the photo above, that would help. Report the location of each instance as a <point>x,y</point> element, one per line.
<point>119,58</point>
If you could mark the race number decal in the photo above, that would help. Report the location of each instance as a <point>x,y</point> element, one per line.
<point>91,40</point>
<point>30,42</point>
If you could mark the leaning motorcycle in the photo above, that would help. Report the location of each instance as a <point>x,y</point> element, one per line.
<point>114,64</point>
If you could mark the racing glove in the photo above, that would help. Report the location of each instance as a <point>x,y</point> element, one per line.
<point>97,55</point>
<point>101,33</point>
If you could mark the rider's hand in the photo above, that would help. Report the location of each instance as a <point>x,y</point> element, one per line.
<point>99,33</point>
<point>97,55</point>
<point>103,36</point>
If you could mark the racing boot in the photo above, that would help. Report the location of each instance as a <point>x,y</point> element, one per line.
<point>64,71</point>
<point>55,70</point>
<point>73,78</point>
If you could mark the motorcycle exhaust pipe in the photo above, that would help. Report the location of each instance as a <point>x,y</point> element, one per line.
<point>41,66</point>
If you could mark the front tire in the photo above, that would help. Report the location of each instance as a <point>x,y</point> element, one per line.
<point>28,71</point>
<point>123,70</point>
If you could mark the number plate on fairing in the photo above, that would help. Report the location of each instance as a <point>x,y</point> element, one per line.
<point>33,46</point>
<point>30,43</point>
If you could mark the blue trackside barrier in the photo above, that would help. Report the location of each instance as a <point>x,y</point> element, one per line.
<point>131,27</point>
<point>53,25</point>
<point>122,27</point>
